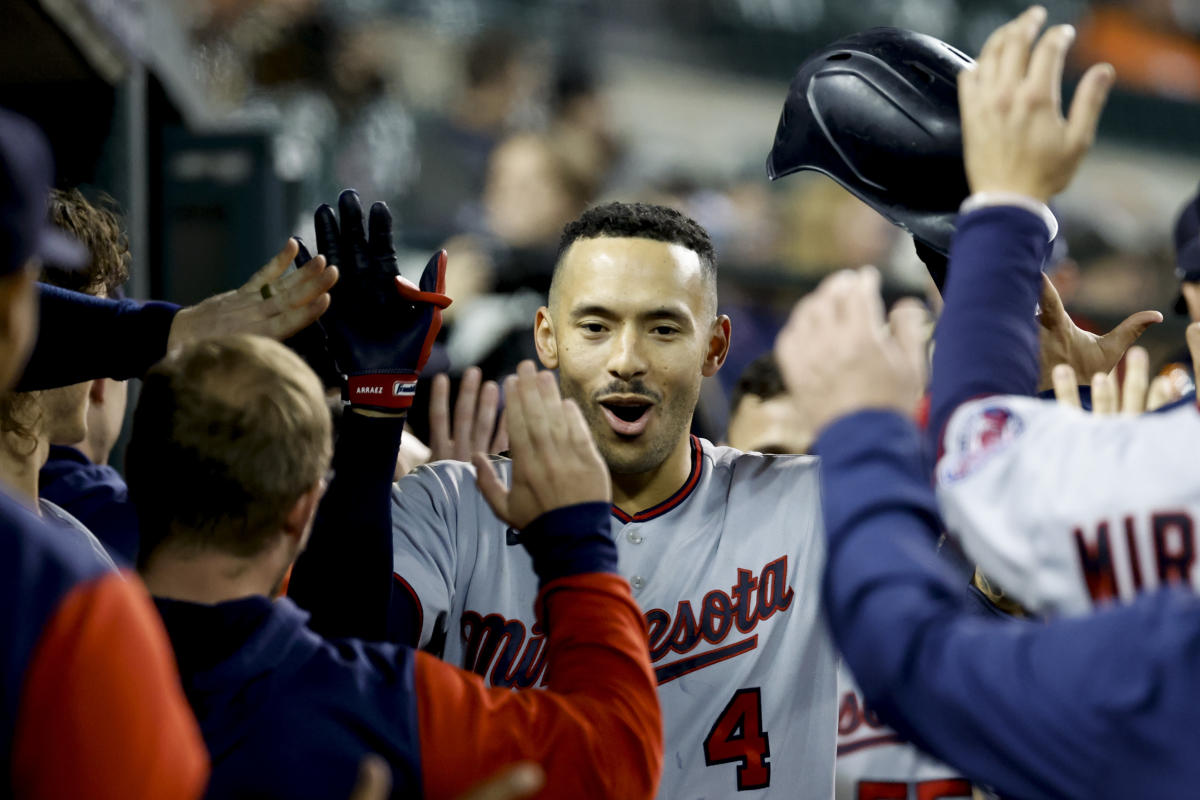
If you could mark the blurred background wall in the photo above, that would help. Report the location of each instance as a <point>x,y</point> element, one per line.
<point>218,125</point>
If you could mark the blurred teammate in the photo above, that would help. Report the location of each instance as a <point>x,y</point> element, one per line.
<point>722,548</point>
<point>75,719</point>
<point>76,476</point>
<point>762,418</point>
<point>1099,706</point>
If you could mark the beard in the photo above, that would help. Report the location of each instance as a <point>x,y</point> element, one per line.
<point>636,455</point>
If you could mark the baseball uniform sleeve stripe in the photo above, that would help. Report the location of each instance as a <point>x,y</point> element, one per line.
<point>692,481</point>
<point>102,714</point>
<point>597,731</point>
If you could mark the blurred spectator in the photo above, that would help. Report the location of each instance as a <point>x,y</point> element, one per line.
<point>1146,43</point>
<point>76,476</point>
<point>453,150</point>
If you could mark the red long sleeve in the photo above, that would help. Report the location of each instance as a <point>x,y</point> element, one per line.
<point>102,714</point>
<point>597,731</point>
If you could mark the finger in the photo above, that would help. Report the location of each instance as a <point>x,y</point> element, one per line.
<point>1191,296</point>
<point>328,236</point>
<point>1193,343</point>
<point>1086,106</point>
<point>302,255</point>
<point>297,290</point>
<point>533,408</point>
<point>500,443</point>
<point>281,326</point>
<point>306,271</point>
<point>1162,391</point>
<point>439,417</point>
<point>464,413</point>
<point>272,269</point>
<point>1046,64</point>
<point>1066,385</point>
<point>353,238</point>
<point>518,432</point>
<point>1013,59</point>
<point>379,236</point>
<point>553,408</point>
<point>1104,394</point>
<point>374,779</point>
<point>868,301</point>
<point>433,278</point>
<point>907,322</point>
<point>1117,341</point>
<point>1137,377</point>
<point>485,417</point>
<point>514,783</point>
<point>490,486</point>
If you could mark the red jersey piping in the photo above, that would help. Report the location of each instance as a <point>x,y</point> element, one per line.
<point>693,480</point>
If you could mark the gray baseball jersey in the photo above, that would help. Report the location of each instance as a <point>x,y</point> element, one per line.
<point>728,573</point>
<point>874,763</point>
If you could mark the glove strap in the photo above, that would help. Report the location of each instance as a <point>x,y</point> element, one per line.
<point>384,390</point>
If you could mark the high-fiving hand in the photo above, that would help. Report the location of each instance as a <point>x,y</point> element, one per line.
<point>837,338</point>
<point>555,463</point>
<point>1015,138</point>
<point>381,327</point>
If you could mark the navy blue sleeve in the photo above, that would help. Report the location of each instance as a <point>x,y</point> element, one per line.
<point>81,338</point>
<point>344,577</point>
<point>573,540</point>
<point>1087,707</point>
<point>987,336</point>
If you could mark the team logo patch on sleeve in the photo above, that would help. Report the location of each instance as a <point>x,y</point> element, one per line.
<point>982,434</point>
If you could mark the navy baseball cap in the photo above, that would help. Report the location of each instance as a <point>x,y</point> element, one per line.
<point>26,173</point>
<point>1187,248</point>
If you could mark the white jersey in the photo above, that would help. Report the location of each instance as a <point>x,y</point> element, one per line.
<point>728,573</point>
<point>874,763</point>
<point>1063,510</point>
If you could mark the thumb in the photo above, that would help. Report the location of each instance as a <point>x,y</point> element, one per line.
<point>1117,341</point>
<point>1051,304</point>
<point>490,486</point>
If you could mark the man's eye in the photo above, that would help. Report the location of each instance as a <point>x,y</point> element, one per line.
<point>665,330</point>
<point>593,327</point>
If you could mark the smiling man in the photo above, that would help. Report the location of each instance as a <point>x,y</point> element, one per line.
<point>722,548</point>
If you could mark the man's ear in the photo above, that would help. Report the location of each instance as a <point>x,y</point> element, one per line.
<point>718,346</point>
<point>544,339</point>
<point>298,522</point>
<point>96,391</point>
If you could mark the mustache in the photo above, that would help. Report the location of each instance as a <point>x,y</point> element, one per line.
<point>632,387</point>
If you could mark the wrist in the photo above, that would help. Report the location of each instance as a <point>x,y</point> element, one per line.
<point>386,391</point>
<point>991,198</point>
<point>571,540</point>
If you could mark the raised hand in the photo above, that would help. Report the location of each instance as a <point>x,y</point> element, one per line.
<point>555,463</point>
<point>271,303</point>
<point>474,420</point>
<point>513,783</point>
<point>1136,395</point>
<point>380,327</point>
<point>1063,342</point>
<point>1015,138</point>
<point>836,338</point>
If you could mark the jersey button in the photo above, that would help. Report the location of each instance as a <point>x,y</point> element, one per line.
<point>637,582</point>
<point>635,537</point>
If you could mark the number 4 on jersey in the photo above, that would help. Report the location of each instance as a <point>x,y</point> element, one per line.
<point>738,736</point>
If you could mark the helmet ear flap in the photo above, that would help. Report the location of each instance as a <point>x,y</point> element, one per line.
<point>878,113</point>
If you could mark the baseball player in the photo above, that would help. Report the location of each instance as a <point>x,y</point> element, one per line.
<point>1097,706</point>
<point>722,548</point>
<point>873,761</point>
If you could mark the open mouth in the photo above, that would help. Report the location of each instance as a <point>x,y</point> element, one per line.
<point>627,417</point>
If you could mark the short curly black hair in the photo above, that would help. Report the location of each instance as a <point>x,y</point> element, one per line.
<point>761,378</point>
<point>642,221</point>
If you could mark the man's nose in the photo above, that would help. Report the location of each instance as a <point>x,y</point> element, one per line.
<point>627,360</point>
